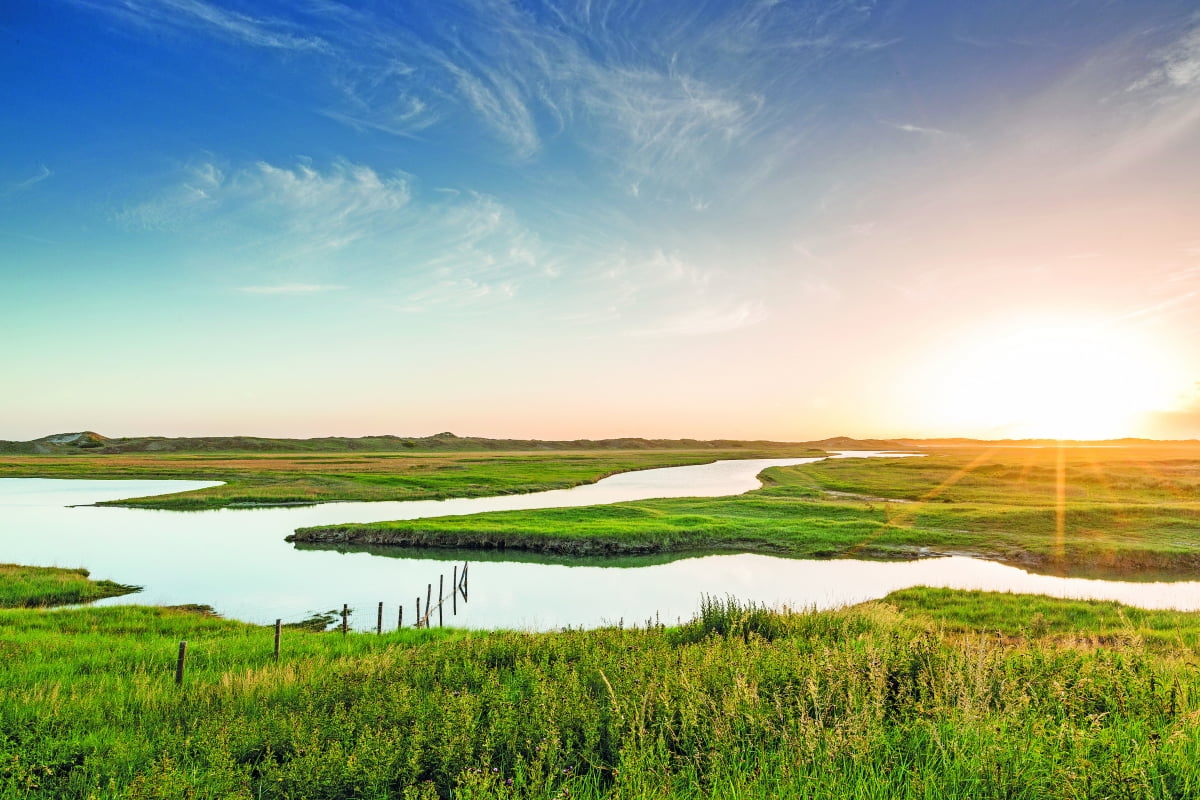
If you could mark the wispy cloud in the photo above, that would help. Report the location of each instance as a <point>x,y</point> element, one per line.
<point>292,288</point>
<point>1177,66</point>
<point>347,222</point>
<point>339,204</point>
<point>25,184</point>
<point>42,174</point>
<point>211,19</point>
<point>705,321</point>
<point>500,104</point>
<point>1163,307</point>
<point>455,293</point>
<point>178,204</point>
<point>918,129</point>
<point>662,294</point>
<point>381,97</point>
<point>653,94</point>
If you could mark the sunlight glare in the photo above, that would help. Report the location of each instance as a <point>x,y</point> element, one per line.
<point>1060,381</point>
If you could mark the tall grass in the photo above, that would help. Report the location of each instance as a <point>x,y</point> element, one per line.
<point>29,587</point>
<point>740,702</point>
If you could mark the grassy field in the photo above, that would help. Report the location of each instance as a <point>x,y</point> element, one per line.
<point>291,478</point>
<point>904,698</point>
<point>1115,512</point>
<point>51,586</point>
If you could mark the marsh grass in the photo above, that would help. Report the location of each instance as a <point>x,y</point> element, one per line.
<point>1088,622</point>
<point>28,587</point>
<point>265,479</point>
<point>740,702</point>
<point>1112,512</point>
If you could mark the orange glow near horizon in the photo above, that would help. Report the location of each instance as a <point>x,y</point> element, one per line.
<point>1056,381</point>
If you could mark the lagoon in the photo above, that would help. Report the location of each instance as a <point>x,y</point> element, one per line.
<point>237,561</point>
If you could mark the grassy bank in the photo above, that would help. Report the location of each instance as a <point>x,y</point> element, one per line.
<point>1085,623</point>
<point>30,587</point>
<point>252,479</point>
<point>883,700</point>
<point>1079,511</point>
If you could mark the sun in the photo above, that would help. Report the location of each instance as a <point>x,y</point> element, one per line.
<point>1064,380</point>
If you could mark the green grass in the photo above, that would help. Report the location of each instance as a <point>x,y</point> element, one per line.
<point>876,701</point>
<point>52,586</point>
<point>264,479</point>
<point>1110,513</point>
<point>1088,622</point>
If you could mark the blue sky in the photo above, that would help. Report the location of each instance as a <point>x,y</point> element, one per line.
<point>772,219</point>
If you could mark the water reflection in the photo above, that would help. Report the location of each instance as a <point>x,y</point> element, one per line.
<point>238,562</point>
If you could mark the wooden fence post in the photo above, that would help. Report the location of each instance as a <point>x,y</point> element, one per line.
<point>428,603</point>
<point>417,624</point>
<point>181,663</point>
<point>379,621</point>
<point>441,597</point>
<point>400,618</point>
<point>345,618</point>
<point>454,593</point>
<point>278,630</point>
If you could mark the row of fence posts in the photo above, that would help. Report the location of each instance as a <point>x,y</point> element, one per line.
<point>459,585</point>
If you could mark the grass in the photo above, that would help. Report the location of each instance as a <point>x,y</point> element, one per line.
<point>264,479</point>
<point>1070,622</point>
<point>883,700</point>
<point>52,586</point>
<point>1112,512</point>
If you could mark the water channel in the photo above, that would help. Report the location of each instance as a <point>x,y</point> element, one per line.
<point>237,561</point>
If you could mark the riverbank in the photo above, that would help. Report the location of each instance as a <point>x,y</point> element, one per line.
<point>1087,512</point>
<point>260,480</point>
<point>737,702</point>
<point>42,587</point>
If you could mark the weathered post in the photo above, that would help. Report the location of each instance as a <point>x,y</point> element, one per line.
<point>454,593</point>
<point>181,663</point>
<point>428,603</point>
<point>278,630</point>
<point>379,621</point>
<point>441,597</point>
<point>345,618</point>
<point>417,624</point>
<point>400,618</point>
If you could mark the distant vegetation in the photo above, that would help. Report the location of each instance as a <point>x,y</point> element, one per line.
<point>52,586</point>
<point>89,442</point>
<point>891,699</point>
<point>300,478</point>
<point>262,472</point>
<point>1114,512</point>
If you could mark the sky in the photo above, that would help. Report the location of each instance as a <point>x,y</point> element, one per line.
<point>776,219</point>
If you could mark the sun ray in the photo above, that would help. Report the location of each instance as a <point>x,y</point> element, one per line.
<point>897,516</point>
<point>1060,504</point>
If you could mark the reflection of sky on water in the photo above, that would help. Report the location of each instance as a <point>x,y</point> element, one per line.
<point>237,561</point>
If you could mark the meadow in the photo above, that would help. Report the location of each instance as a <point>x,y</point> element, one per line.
<point>291,478</point>
<point>921,695</point>
<point>1111,512</point>
<point>927,693</point>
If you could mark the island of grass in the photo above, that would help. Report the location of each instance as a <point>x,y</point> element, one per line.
<point>279,472</point>
<point>1084,511</point>
<point>923,694</point>
<point>42,587</point>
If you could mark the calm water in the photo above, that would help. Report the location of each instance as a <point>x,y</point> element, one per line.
<point>237,561</point>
